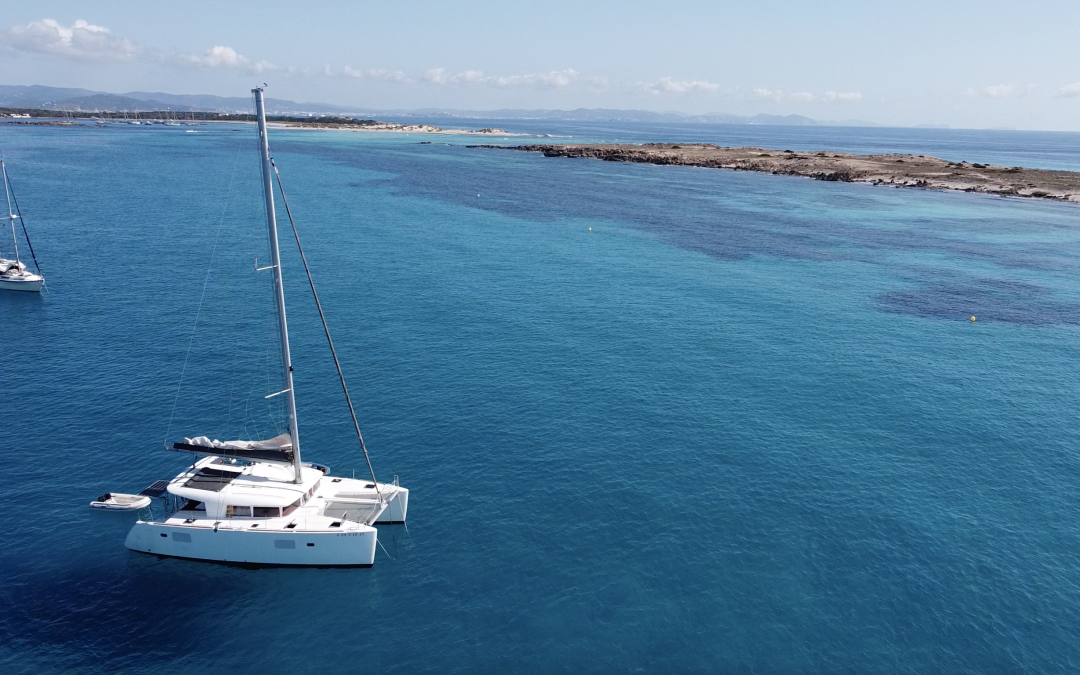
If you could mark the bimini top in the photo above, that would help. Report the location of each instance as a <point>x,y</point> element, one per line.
<point>277,449</point>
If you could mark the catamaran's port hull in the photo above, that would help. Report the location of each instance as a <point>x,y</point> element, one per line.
<point>352,548</point>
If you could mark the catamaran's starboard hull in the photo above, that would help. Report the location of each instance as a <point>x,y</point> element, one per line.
<point>32,286</point>
<point>396,509</point>
<point>266,548</point>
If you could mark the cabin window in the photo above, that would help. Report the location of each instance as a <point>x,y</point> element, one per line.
<point>304,499</point>
<point>266,511</point>
<point>292,507</point>
<point>237,511</point>
<point>192,505</point>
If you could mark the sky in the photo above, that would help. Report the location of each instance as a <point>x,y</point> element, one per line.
<point>965,64</point>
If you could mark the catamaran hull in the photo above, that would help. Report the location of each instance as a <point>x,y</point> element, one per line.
<point>246,547</point>
<point>32,286</point>
<point>397,508</point>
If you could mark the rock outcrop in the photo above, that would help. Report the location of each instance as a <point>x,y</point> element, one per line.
<point>919,171</point>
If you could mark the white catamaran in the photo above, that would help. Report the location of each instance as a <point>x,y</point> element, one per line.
<point>256,502</point>
<point>13,273</point>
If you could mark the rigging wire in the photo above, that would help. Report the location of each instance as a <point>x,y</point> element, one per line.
<point>202,295</point>
<point>326,329</point>
<point>22,221</point>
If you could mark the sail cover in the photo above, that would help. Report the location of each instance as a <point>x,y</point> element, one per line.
<point>276,449</point>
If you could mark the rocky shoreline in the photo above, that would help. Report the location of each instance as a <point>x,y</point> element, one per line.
<point>917,171</point>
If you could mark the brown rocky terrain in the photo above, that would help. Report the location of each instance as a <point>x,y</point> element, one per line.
<point>919,171</point>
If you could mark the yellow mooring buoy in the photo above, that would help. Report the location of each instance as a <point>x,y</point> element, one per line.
<point>972,318</point>
<point>590,229</point>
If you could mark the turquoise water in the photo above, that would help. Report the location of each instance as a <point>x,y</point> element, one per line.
<point>742,425</point>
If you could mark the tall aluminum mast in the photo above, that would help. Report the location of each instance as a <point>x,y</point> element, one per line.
<point>11,214</point>
<point>279,289</point>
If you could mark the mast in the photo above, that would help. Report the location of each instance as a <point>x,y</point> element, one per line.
<point>279,289</point>
<point>11,215</point>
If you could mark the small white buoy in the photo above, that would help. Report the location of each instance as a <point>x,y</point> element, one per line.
<point>477,194</point>
<point>590,229</point>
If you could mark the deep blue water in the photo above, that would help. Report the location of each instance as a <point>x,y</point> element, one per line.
<point>743,425</point>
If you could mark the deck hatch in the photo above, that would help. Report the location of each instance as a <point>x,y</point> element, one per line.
<point>212,480</point>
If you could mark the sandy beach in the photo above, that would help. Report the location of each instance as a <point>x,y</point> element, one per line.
<point>390,127</point>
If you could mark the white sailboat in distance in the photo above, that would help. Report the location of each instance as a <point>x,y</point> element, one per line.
<point>14,276</point>
<point>257,502</point>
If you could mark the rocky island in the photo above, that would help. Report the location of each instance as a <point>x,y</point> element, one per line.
<point>917,171</point>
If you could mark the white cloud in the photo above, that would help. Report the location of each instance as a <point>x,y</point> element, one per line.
<point>842,96</point>
<point>555,79</point>
<point>668,85</point>
<point>80,40</point>
<point>1000,91</point>
<point>1070,90</point>
<point>778,96</point>
<point>993,91</point>
<point>220,56</point>
<point>762,93</point>
<point>370,74</point>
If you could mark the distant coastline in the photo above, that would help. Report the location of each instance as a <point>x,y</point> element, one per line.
<point>896,170</point>
<point>39,117</point>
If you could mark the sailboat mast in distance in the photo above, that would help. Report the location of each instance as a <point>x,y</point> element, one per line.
<point>11,214</point>
<point>279,289</point>
<point>13,274</point>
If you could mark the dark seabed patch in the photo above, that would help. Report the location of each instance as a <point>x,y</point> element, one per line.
<point>986,299</point>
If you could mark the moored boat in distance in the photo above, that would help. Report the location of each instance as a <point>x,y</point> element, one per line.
<point>257,502</point>
<point>14,275</point>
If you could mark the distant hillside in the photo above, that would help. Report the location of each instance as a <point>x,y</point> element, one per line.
<point>58,98</point>
<point>612,115</point>
<point>37,96</point>
<point>110,102</point>
<point>601,115</point>
<point>212,103</point>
